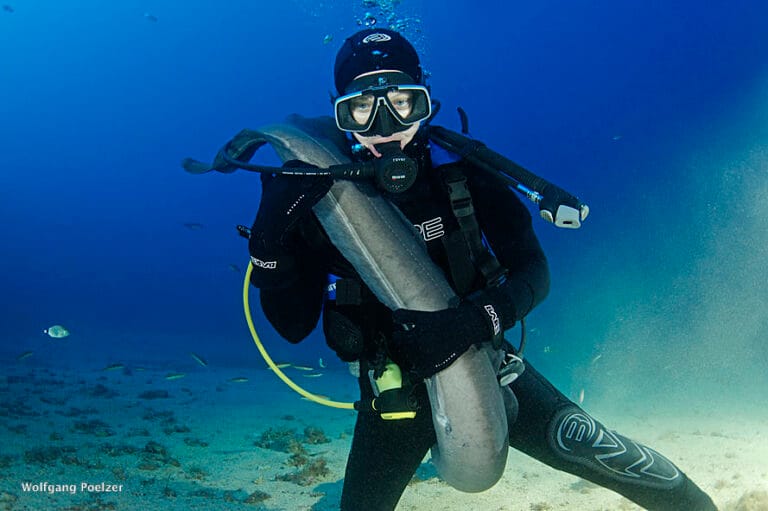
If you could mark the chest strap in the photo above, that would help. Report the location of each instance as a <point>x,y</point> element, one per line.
<point>461,205</point>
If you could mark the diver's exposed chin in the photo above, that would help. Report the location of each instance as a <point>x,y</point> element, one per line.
<point>404,137</point>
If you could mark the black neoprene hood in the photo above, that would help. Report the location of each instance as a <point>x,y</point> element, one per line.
<point>374,49</point>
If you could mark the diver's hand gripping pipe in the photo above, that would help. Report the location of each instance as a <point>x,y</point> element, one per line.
<point>555,204</point>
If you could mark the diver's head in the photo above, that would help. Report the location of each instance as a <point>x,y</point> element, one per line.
<point>382,93</point>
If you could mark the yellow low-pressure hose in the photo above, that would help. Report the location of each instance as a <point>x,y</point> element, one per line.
<point>268,359</point>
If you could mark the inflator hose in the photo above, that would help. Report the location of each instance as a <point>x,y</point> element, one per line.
<point>268,359</point>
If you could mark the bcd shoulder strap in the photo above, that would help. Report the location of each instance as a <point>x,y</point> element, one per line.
<point>461,204</point>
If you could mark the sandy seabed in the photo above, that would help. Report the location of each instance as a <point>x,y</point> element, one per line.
<point>130,439</point>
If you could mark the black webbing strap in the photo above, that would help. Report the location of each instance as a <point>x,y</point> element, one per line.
<point>463,272</point>
<point>461,204</point>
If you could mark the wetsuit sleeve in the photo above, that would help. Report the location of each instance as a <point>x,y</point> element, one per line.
<point>506,224</point>
<point>293,308</point>
<point>285,268</point>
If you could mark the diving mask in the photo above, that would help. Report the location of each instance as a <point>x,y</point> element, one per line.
<point>382,104</point>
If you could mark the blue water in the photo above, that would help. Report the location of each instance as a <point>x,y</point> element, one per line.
<point>656,115</point>
<point>610,100</point>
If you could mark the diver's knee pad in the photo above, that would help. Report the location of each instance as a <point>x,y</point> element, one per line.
<point>576,437</point>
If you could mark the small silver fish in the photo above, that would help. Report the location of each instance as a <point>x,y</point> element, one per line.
<point>200,360</point>
<point>238,379</point>
<point>56,332</point>
<point>312,375</point>
<point>150,17</point>
<point>114,367</point>
<point>25,355</point>
<point>174,376</point>
<point>581,396</point>
<point>327,39</point>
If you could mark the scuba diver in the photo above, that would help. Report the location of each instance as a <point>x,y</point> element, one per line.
<point>481,236</point>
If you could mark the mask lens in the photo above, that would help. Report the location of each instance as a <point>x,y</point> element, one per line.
<point>355,112</point>
<point>407,103</point>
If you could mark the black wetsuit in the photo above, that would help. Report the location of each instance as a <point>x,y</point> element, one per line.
<point>549,427</point>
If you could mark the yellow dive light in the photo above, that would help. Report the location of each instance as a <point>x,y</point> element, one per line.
<point>392,403</point>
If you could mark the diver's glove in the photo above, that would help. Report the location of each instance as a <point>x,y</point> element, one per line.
<point>428,342</point>
<point>285,201</point>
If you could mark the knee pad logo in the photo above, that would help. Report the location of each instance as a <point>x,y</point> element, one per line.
<point>574,430</point>
<point>577,437</point>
